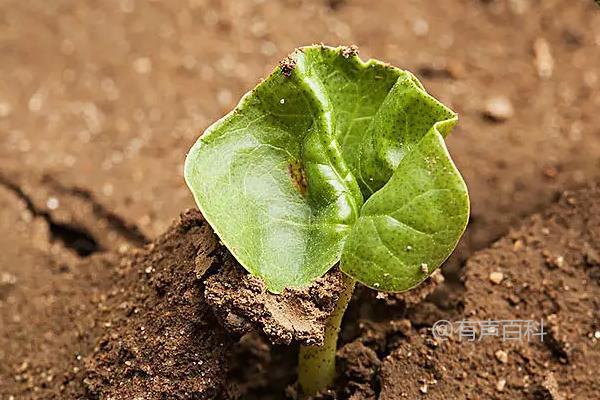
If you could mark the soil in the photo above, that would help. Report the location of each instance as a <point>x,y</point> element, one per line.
<point>550,272</point>
<point>99,103</point>
<point>242,303</point>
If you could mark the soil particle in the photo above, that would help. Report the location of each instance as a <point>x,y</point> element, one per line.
<point>446,70</point>
<point>501,356</point>
<point>496,277</point>
<point>349,51</point>
<point>242,302</point>
<point>499,109</point>
<point>288,64</point>
<point>500,384</point>
<point>544,62</point>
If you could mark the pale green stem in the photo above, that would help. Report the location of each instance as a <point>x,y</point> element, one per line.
<point>316,364</point>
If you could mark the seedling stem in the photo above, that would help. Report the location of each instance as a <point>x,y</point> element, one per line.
<point>316,364</point>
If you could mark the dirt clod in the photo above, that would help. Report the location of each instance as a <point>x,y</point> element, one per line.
<point>242,302</point>
<point>360,365</point>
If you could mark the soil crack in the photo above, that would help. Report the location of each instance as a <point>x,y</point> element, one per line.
<point>128,230</point>
<point>73,237</point>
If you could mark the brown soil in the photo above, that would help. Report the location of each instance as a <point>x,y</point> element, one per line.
<point>142,324</point>
<point>160,338</point>
<point>242,303</point>
<point>99,102</point>
<point>550,268</point>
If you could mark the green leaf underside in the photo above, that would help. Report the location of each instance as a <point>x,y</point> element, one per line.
<point>337,159</point>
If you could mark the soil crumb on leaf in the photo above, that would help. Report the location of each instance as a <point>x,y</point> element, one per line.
<point>288,64</point>
<point>349,51</point>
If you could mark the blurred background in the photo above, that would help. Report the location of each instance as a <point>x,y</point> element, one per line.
<point>109,96</point>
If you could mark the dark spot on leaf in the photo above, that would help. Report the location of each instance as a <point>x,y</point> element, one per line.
<point>298,177</point>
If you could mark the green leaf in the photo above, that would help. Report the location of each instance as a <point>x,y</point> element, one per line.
<point>411,225</point>
<point>282,178</point>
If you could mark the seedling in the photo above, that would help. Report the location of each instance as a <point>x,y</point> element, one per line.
<point>332,160</point>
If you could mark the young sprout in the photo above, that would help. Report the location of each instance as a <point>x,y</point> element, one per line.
<point>332,160</point>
